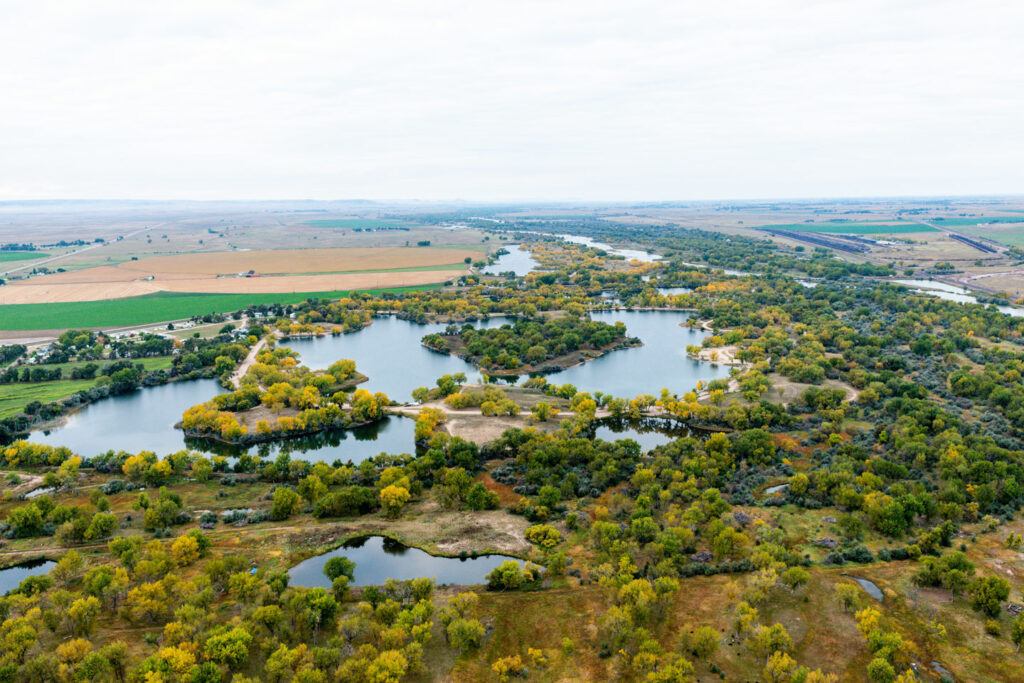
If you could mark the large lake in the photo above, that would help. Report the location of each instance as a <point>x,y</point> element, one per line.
<point>378,558</point>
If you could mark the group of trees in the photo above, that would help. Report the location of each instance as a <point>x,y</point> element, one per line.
<point>528,343</point>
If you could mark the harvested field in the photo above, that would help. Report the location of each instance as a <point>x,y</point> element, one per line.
<point>294,261</point>
<point>217,273</point>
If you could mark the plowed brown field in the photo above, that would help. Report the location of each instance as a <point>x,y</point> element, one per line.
<point>280,271</point>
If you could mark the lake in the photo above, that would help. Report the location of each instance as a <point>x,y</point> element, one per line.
<point>518,260</point>
<point>660,363</point>
<point>378,558</point>
<point>389,352</point>
<point>141,420</point>
<point>12,576</point>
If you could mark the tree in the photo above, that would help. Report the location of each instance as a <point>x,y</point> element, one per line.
<point>794,577</point>
<point>779,668</point>
<point>339,566</point>
<point>102,525</point>
<point>185,550</point>
<point>1017,631</point>
<point>67,568</point>
<point>393,499</point>
<point>705,643</point>
<point>286,503</point>
<point>465,634</point>
<point>988,593</point>
<point>848,596</point>
<point>81,615</point>
<point>881,671</point>
<point>228,647</point>
<point>508,667</point>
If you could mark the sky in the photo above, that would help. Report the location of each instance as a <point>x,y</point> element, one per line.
<point>510,101</point>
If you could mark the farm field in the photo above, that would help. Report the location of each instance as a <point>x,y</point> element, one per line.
<point>151,308</point>
<point>280,271</point>
<point>6,256</point>
<point>357,223</point>
<point>869,228</point>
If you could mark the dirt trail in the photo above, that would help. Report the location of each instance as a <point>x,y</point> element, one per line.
<point>244,366</point>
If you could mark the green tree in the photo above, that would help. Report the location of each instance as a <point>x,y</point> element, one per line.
<point>286,503</point>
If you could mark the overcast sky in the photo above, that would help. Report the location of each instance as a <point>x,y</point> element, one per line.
<point>482,100</point>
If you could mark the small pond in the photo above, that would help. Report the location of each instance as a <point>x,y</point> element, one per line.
<point>379,558</point>
<point>648,432</point>
<point>870,587</point>
<point>12,576</point>
<point>517,260</point>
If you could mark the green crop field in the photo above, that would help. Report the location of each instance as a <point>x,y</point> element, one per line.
<point>21,255</point>
<point>151,308</point>
<point>854,228</point>
<point>14,397</point>
<point>362,223</point>
<point>977,221</point>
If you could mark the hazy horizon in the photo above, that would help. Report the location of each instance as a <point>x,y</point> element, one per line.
<point>489,102</point>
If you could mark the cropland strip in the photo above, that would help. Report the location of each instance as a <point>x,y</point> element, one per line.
<point>281,271</point>
<point>868,228</point>
<point>152,308</point>
<point>21,255</point>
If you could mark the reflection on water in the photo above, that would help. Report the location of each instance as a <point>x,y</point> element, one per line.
<point>649,432</point>
<point>141,420</point>
<point>393,435</point>
<point>378,558</point>
<point>660,363</point>
<point>11,577</point>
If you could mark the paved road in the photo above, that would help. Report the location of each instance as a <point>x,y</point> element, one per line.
<point>36,264</point>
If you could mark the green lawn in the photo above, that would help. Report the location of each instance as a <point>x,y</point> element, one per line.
<point>357,223</point>
<point>853,228</point>
<point>14,397</point>
<point>151,308</point>
<point>21,255</point>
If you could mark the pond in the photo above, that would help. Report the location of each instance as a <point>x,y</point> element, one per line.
<point>517,260</point>
<point>393,435</point>
<point>660,363</point>
<point>389,352</point>
<point>12,576</point>
<point>648,432</point>
<point>628,254</point>
<point>141,420</point>
<point>950,292</point>
<point>378,558</point>
<point>870,587</point>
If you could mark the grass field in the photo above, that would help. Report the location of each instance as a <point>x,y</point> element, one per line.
<point>151,308</point>
<point>21,255</point>
<point>854,228</point>
<point>14,397</point>
<point>353,223</point>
